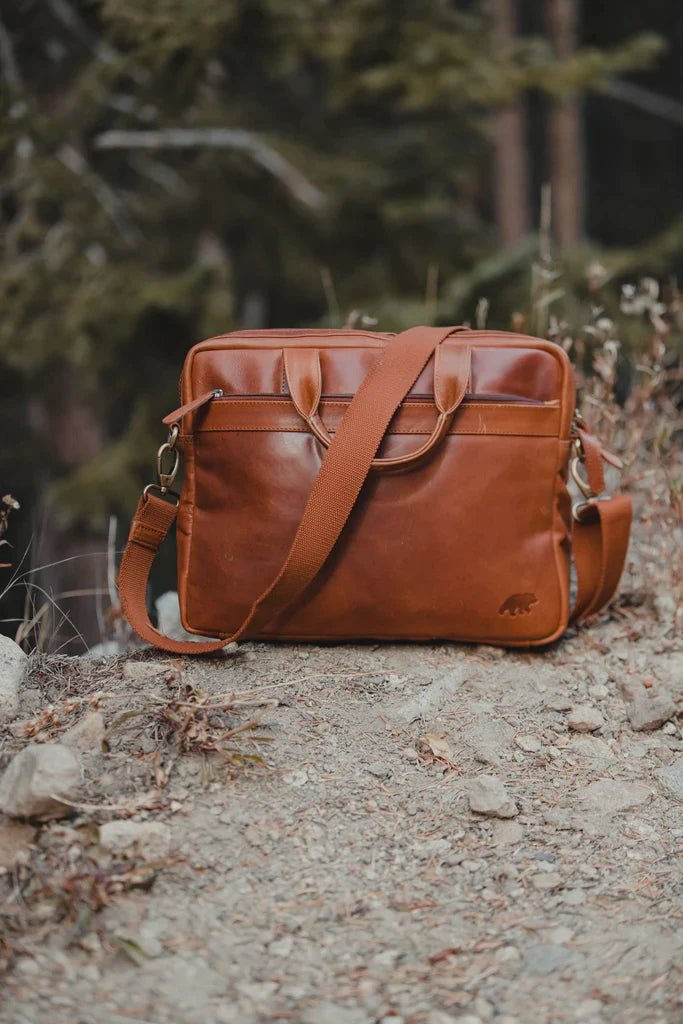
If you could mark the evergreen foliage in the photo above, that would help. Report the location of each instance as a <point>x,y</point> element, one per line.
<point>349,155</point>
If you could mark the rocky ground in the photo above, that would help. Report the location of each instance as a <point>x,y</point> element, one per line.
<point>351,835</point>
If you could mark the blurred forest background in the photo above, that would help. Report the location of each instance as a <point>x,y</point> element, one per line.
<point>175,169</point>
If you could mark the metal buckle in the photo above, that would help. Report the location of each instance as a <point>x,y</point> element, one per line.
<point>165,478</point>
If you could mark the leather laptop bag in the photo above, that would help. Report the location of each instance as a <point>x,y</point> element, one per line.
<point>347,485</point>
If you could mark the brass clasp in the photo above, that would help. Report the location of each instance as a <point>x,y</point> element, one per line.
<point>589,496</point>
<point>166,477</point>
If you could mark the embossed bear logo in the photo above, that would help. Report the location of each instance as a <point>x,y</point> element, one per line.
<point>518,604</point>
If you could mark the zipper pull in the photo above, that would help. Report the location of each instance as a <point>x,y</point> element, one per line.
<point>184,410</point>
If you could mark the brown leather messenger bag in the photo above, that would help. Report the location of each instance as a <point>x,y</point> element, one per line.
<point>344,485</point>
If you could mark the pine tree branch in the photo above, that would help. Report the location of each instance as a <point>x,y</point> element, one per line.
<point>8,62</point>
<point>219,138</point>
<point>645,99</point>
<point>110,202</point>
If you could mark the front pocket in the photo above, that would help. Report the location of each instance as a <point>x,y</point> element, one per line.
<point>470,545</point>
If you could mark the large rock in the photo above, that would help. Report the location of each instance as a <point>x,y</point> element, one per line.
<point>38,781</point>
<point>487,795</point>
<point>650,712</point>
<point>13,666</point>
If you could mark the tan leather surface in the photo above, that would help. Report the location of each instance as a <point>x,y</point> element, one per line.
<point>472,542</point>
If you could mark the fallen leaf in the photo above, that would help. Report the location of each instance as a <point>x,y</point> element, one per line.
<point>433,748</point>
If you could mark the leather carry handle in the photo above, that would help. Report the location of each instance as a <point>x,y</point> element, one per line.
<point>600,540</point>
<point>452,368</point>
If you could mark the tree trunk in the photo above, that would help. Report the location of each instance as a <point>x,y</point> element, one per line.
<point>511,184</point>
<point>565,133</point>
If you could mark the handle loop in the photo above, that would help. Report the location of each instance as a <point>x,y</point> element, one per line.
<point>452,369</point>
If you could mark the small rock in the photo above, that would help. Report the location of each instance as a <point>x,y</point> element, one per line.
<point>86,736</point>
<point>585,719</point>
<point>298,777</point>
<point>671,779</point>
<point>630,689</point>
<point>598,692</point>
<point>507,833</point>
<point>13,667</point>
<point>670,729</point>
<point>379,770</point>
<point>146,839</point>
<point>14,842</point>
<point>410,754</point>
<point>545,958</point>
<point>37,779</point>
<point>574,897</point>
<point>143,939</point>
<point>487,795</point>
<point>531,744</point>
<point>650,712</point>
<point>547,880</point>
<point>559,704</point>
<point>665,608</point>
<point>610,796</point>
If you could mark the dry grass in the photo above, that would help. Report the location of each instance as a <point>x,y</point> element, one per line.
<point>63,881</point>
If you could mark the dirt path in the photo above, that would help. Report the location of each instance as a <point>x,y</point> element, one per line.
<point>350,882</point>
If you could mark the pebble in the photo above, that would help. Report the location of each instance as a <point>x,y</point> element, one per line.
<point>410,754</point>
<point>547,880</point>
<point>148,839</point>
<point>298,777</point>
<point>574,897</point>
<point>507,833</point>
<point>86,736</point>
<point>559,704</point>
<point>630,689</point>
<point>546,958</point>
<point>487,795</point>
<point>379,770</point>
<point>531,744</point>
<point>650,712</point>
<point>671,779</point>
<point>598,692</point>
<point>35,780</point>
<point>13,668</point>
<point>585,719</point>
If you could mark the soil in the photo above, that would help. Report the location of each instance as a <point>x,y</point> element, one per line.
<point>345,880</point>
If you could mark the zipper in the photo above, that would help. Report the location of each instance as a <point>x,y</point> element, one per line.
<point>482,398</point>
<point>217,394</point>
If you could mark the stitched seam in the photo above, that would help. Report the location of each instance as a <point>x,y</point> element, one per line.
<point>247,429</point>
<point>318,381</point>
<point>517,406</point>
